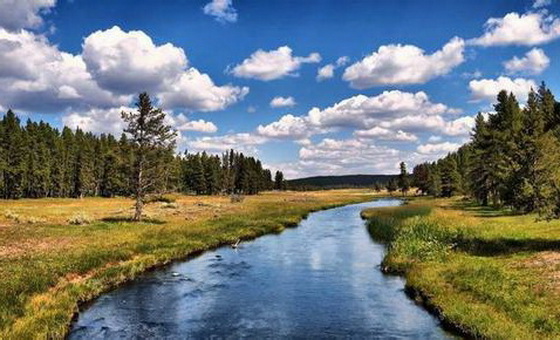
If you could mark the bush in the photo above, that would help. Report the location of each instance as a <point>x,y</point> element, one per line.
<point>11,215</point>
<point>161,198</point>
<point>237,198</point>
<point>170,206</point>
<point>80,219</point>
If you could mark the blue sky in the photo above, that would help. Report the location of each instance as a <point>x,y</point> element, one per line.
<point>310,87</point>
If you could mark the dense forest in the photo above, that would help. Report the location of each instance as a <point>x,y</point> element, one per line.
<point>512,159</point>
<point>333,182</point>
<point>37,160</point>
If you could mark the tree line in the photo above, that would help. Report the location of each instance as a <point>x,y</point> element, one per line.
<point>512,159</point>
<point>38,160</point>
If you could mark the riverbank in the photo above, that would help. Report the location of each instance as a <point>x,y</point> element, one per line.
<point>59,253</point>
<point>487,273</point>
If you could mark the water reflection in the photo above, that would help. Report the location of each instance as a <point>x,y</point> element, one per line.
<point>320,280</point>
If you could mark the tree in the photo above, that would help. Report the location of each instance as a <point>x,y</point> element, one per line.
<point>148,134</point>
<point>421,178</point>
<point>279,180</point>
<point>403,181</point>
<point>392,186</point>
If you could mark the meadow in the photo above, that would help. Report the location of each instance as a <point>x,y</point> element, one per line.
<point>487,273</point>
<point>56,254</point>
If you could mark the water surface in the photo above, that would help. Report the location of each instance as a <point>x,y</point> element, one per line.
<point>320,280</point>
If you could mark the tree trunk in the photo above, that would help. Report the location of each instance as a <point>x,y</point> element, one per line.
<point>139,193</point>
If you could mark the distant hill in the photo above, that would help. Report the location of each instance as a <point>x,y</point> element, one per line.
<point>332,182</point>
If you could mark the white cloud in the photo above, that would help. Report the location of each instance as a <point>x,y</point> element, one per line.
<point>386,134</point>
<point>404,64</point>
<point>244,142</point>
<point>97,120</point>
<point>532,28</point>
<point>488,89</point>
<point>534,62</point>
<point>434,139</point>
<point>365,112</point>
<point>221,10</point>
<point>37,76</point>
<point>182,123</point>
<point>270,65</point>
<point>129,62</point>
<point>439,149</point>
<point>18,14</point>
<point>288,127</point>
<point>391,115</point>
<point>327,71</point>
<point>196,91</point>
<point>541,3</point>
<point>282,102</point>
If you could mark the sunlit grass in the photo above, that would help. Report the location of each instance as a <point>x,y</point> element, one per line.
<point>48,267</point>
<point>486,271</point>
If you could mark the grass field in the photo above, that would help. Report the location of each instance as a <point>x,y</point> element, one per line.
<point>57,253</point>
<point>486,272</point>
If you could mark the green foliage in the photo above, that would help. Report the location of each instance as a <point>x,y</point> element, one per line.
<point>512,159</point>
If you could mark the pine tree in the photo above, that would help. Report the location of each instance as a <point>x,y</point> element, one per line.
<point>403,180</point>
<point>279,180</point>
<point>13,144</point>
<point>149,133</point>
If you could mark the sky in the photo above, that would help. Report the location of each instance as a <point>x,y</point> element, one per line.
<point>314,87</point>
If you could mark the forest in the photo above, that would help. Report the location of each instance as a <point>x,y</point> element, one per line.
<point>37,160</point>
<point>511,161</point>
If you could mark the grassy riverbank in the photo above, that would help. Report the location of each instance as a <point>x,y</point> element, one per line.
<point>487,272</point>
<point>49,263</point>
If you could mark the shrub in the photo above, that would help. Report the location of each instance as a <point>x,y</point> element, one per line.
<point>168,198</point>
<point>236,198</point>
<point>79,219</point>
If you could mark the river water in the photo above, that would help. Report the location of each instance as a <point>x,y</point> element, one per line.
<point>320,280</point>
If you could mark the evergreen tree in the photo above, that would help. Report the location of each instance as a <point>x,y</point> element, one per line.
<point>403,180</point>
<point>149,133</point>
<point>279,180</point>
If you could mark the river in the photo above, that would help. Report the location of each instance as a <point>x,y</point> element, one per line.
<point>319,280</point>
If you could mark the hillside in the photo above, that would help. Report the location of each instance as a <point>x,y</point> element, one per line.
<point>329,182</point>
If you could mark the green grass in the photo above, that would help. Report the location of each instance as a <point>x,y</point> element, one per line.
<point>488,273</point>
<point>48,269</point>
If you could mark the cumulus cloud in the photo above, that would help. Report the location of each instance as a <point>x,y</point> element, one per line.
<point>196,91</point>
<point>364,112</point>
<point>439,149</point>
<point>488,89</point>
<point>282,102</point>
<point>18,14</point>
<point>288,127</point>
<point>97,120</point>
<point>386,134</point>
<point>270,65</point>
<point>244,142</point>
<point>129,62</point>
<point>404,64</point>
<point>115,65</point>
<point>532,28</point>
<point>391,115</point>
<point>221,10</point>
<point>327,71</point>
<point>181,123</point>
<point>37,76</point>
<point>534,62</point>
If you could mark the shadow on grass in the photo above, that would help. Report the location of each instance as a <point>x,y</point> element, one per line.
<point>481,211</point>
<point>122,219</point>
<point>505,246</point>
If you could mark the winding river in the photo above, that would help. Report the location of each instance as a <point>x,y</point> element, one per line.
<point>320,280</point>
